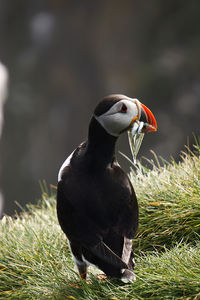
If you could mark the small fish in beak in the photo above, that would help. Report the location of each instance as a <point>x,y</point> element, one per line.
<point>146,123</point>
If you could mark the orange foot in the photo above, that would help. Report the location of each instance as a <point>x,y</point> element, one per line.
<point>74,285</point>
<point>102,276</point>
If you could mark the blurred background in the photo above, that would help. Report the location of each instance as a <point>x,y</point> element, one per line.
<point>64,56</point>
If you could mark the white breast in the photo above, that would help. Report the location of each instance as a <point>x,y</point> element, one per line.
<point>65,164</point>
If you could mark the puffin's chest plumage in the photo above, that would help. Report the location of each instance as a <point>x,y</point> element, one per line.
<point>102,195</point>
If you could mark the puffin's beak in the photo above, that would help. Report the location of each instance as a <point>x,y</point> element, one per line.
<point>148,118</point>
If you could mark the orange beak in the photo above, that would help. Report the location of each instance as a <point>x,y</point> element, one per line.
<point>148,118</point>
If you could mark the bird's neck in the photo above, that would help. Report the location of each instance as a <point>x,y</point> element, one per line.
<point>100,145</point>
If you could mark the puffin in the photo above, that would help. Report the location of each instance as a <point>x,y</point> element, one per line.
<point>97,207</point>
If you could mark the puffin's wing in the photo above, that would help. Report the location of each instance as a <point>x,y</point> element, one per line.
<point>127,221</point>
<point>83,230</point>
<point>75,225</point>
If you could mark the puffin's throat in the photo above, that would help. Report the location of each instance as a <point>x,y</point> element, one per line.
<point>100,145</point>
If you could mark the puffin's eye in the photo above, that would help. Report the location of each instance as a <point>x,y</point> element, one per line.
<point>123,108</point>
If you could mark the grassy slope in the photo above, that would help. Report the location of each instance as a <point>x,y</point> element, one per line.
<point>35,262</point>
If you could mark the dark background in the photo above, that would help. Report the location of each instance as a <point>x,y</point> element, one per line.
<point>64,56</point>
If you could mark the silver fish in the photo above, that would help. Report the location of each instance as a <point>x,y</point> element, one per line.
<point>135,137</point>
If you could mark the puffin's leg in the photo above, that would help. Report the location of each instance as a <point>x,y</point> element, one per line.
<point>76,250</point>
<point>82,269</point>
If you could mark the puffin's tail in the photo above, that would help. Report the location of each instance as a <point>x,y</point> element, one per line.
<point>102,251</point>
<point>109,262</point>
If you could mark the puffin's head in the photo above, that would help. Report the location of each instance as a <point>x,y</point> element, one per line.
<point>118,113</point>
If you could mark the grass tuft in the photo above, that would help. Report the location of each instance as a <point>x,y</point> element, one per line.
<point>169,201</point>
<point>35,262</point>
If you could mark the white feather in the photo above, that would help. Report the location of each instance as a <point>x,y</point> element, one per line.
<point>65,164</point>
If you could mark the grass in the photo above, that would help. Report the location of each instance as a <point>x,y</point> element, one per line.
<point>169,201</point>
<point>35,262</point>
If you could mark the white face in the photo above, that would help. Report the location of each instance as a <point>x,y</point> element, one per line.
<point>120,116</point>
